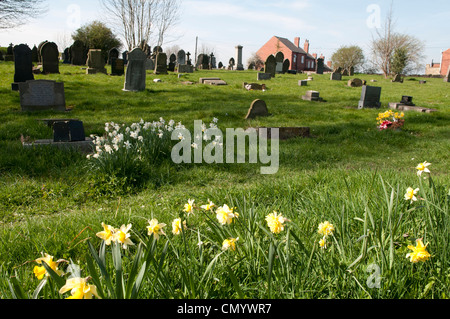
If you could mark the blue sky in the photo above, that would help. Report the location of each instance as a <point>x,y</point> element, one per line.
<point>221,25</point>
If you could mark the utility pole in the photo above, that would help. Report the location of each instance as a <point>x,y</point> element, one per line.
<point>195,57</point>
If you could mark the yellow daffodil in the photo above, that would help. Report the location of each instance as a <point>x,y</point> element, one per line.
<point>423,168</point>
<point>40,272</point>
<point>79,289</point>
<point>326,228</point>
<point>176,226</point>
<point>189,207</point>
<point>411,194</point>
<point>230,244</point>
<point>209,206</point>
<point>155,228</point>
<point>106,234</point>
<point>419,253</point>
<point>323,243</point>
<point>275,222</point>
<point>225,215</point>
<point>122,236</point>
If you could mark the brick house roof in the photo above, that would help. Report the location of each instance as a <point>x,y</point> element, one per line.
<point>291,46</point>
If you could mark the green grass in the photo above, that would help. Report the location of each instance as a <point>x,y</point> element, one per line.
<point>346,173</point>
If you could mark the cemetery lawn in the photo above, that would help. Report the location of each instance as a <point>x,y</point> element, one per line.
<point>348,173</point>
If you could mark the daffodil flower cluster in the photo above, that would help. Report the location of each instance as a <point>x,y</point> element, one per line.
<point>389,119</point>
<point>325,229</point>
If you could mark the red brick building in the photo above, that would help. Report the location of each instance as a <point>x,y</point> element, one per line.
<point>445,64</point>
<point>301,59</point>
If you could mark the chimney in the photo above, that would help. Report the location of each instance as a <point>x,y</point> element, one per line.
<point>306,46</point>
<point>297,42</point>
<point>315,55</point>
<point>330,64</point>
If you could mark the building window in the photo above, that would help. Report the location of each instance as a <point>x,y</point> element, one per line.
<point>312,65</point>
<point>303,59</point>
<point>295,58</point>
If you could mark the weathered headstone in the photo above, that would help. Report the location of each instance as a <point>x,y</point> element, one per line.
<point>303,83</point>
<point>112,54</point>
<point>23,65</point>
<point>68,131</point>
<point>66,56</point>
<point>136,74</point>
<point>320,66</point>
<point>398,78</point>
<point>286,66</point>
<point>270,65</point>
<point>77,53</point>
<point>212,62</point>
<point>117,67</point>
<point>336,76</point>
<point>279,57</point>
<point>125,57</point>
<point>312,96</point>
<point>40,95</point>
<point>354,83</point>
<point>149,65</point>
<point>181,57</point>
<point>95,62</point>
<point>258,108</point>
<point>50,58</point>
<point>407,100</point>
<point>254,86</point>
<point>185,68</point>
<point>34,54</point>
<point>9,53</point>
<point>161,63</point>
<point>202,80</point>
<point>264,76</point>
<point>215,82</point>
<point>172,63</point>
<point>370,97</point>
<point>405,108</point>
<point>231,64</point>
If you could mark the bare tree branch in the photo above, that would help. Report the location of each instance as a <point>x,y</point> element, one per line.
<point>14,13</point>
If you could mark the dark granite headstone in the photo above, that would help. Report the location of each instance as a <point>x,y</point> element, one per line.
<point>23,65</point>
<point>136,73</point>
<point>50,58</point>
<point>257,109</point>
<point>370,97</point>
<point>117,67</point>
<point>407,100</point>
<point>270,65</point>
<point>77,53</point>
<point>319,66</point>
<point>39,95</point>
<point>161,63</point>
<point>286,66</point>
<point>68,131</point>
<point>112,54</point>
<point>34,54</point>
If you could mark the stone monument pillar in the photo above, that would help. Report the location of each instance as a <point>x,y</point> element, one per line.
<point>239,66</point>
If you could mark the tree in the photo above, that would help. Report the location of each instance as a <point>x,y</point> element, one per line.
<point>399,61</point>
<point>255,61</point>
<point>97,35</point>
<point>348,57</point>
<point>17,12</point>
<point>387,42</point>
<point>137,20</point>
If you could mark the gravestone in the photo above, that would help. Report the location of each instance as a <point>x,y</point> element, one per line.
<point>136,73</point>
<point>336,76</point>
<point>50,58</point>
<point>422,82</point>
<point>220,65</point>
<point>77,53</point>
<point>149,65</point>
<point>370,97</point>
<point>181,57</point>
<point>239,66</point>
<point>264,76</point>
<point>155,52</point>
<point>312,96</point>
<point>66,56</point>
<point>212,62</point>
<point>23,64</point>
<point>405,108</point>
<point>9,53</point>
<point>161,63</point>
<point>40,95</point>
<point>215,82</point>
<point>231,64</point>
<point>68,131</point>
<point>258,108</point>
<point>202,80</point>
<point>185,68</point>
<point>117,67</point>
<point>95,62</point>
<point>407,100</point>
<point>398,78</point>
<point>271,65</point>
<point>354,83</point>
<point>303,83</point>
<point>447,78</point>
<point>34,54</point>
<point>125,57</point>
<point>320,66</point>
<point>188,61</point>
<point>172,63</point>
<point>279,57</point>
<point>112,54</point>
<point>286,66</point>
